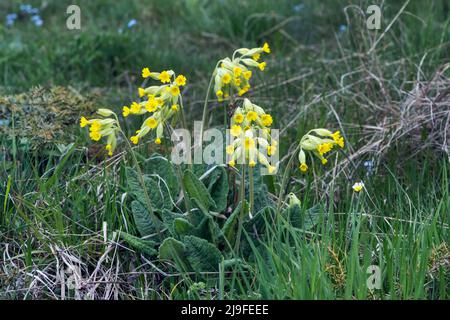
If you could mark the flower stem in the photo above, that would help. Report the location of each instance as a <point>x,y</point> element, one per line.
<point>141,181</point>
<point>241,216</point>
<point>285,179</point>
<point>205,105</point>
<point>251,189</point>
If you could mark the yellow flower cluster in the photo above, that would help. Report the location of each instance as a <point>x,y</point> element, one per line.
<point>318,142</point>
<point>233,75</point>
<point>161,102</point>
<point>246,147</point>
<point>99,128</point>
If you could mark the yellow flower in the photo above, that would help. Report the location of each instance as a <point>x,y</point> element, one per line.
<point>83,122</point>
<point>237,82</point>
<point>95,126</point>
<point>151,123</point>
<point>324,148</point>
<point>271,150</point>
<point>252,116</point>
<point>135,108</point>
<point>248,74</point>
<point>145,73</point>
<point>230,149</point>
<point>180,80</point>
<point>174,107</point>
<point>252,163</point>
<point>266,48</point>
<point>262,66</point>
<point>249,143</point>
<point>303,167</point>
<point>256,56</point>
<point>158,141</point>
<point>134,139</point>
<point>164,77</point>
<point>238,118</point>
<point>109,149</point>
<point>235,130</point>
<point>95,135</point>
<point>125,111</point>
<point>271,169</point>
<point>232,163</point>
<point>219,94</point>
<point>151,105</point>
<point>266,120</point>
<point>226,78</point>
<point>141,92</point>
<point>175,90</point>
<point>338,139</point>
<point>358,186</point>
<point>237,71</point>
<point>336,135</point>
<point>324,161</point>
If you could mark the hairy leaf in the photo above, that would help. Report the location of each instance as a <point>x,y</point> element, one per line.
<point>197,191</point>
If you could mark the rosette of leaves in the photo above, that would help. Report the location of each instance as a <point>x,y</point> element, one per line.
<point>198,238</point>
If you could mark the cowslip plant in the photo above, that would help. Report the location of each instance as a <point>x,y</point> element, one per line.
<point>318,143</point>
<point>250,126</point>
<point>197,218</point>
<point>103,127</point>
<point>232,76</point>
<point>161,103</point>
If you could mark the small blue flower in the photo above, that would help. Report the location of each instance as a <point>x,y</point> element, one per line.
<point>37,20</point>
<point>132,23</point>
<point>26,8</point>
<point>10,18</point>
<point>342,28</point>
<point>368,164</point>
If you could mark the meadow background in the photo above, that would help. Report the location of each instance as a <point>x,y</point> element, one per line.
<point>387,91</point>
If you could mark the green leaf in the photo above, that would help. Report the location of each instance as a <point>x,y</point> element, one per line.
<point>157,190</point>
<point>218,188</point>
<point>230,227</point>
<point>142,219</point>
<point>182,226</point>
<point>197,191</point>
<point>159,166</point>
<point>207,229</point>
<point>168,218</point>
<point>202,255</point>
<point>174,250</point>
<point>303,219</point>
<point>260,220</point>
<point>140,245</point>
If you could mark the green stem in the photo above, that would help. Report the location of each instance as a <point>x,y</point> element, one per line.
<point>184,125</point>
<point>241,216</point>
<point>205,105</point>
<point>141,181</point>
<point>180,178</point>
<point>251,189</point>
<point>286,177</point>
